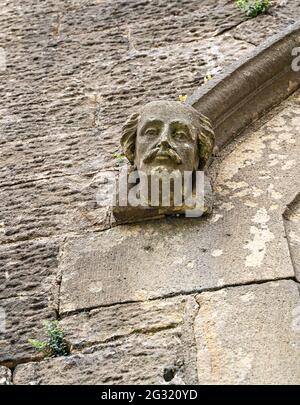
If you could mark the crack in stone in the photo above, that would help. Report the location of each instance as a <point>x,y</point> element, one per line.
<point>176,294</point>
<point>228,29</point>
<point>138,331</point>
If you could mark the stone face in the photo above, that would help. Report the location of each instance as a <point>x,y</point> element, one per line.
<point>5,376</point>
<point>164,141</point>
<point>243,241</point>
<point>249,335</point>
<point>167,129</point>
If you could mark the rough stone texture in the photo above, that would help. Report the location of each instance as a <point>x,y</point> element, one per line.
<point>137,343</point>
<point>264,78</point>
<point>249,335</point>
<point>28,267</point>
<point>255,30</point>
<point>256,178</point>
<point>104,324</point>
<point>133,53</point>
<point>244,335</point>
<point>49,207</point>
<point>28,277</point>
<point>5,376</point>
<point>23,321</point>
<point>75,70</point>
<point>292,224</point>
<point>133,360</point>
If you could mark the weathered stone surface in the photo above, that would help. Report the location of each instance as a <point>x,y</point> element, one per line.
<point>5,376</point>
<point>133,360</point>
<point>100,325</point>
<point>54,152</point>
<point>279,16</point>
<point>49,93</point>
<point>145,343</point>
<point>23,320</point>
<point>255,180</point>
<point>292,225</point>
<point>88,16</point>
<point>75,70</point>
<point>249,335</point>
<point>27,284</point>
<point>66,106</point>
<point>244,335</point>
<point>258,29</point>
<point>131,62</point>
<point>49,207</point>
<point>285,9</point>
<point>28,268</point>
<point>268,67</point>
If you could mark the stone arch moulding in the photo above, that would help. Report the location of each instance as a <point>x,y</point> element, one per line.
<point>248,88</point>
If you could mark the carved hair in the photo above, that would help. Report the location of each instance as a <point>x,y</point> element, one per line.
<point>206,138</point>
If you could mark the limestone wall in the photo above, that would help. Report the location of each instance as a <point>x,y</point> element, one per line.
<point>222,302</point>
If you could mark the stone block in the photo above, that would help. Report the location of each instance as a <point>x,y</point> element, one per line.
<point>249,335</point>
<point>5,376</point>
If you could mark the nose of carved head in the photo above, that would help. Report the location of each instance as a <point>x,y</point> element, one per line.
<point>164,143</point>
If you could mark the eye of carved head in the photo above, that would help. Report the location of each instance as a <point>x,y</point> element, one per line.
<point>151,132</point>
<point>181,132</point>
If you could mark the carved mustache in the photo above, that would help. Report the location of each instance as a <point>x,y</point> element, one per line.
<point>171,153</point>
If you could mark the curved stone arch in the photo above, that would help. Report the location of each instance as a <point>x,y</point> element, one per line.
<point>245,90</point>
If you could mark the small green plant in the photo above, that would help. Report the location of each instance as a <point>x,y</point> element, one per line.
<point>120,158</point>
<point>253,8</point>
<point>55,344</point>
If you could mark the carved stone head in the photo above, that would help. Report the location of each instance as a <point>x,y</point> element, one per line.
<point>167,135</point>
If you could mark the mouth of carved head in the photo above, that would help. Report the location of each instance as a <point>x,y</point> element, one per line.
<point>158,154</point>
<point>162,155</point>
